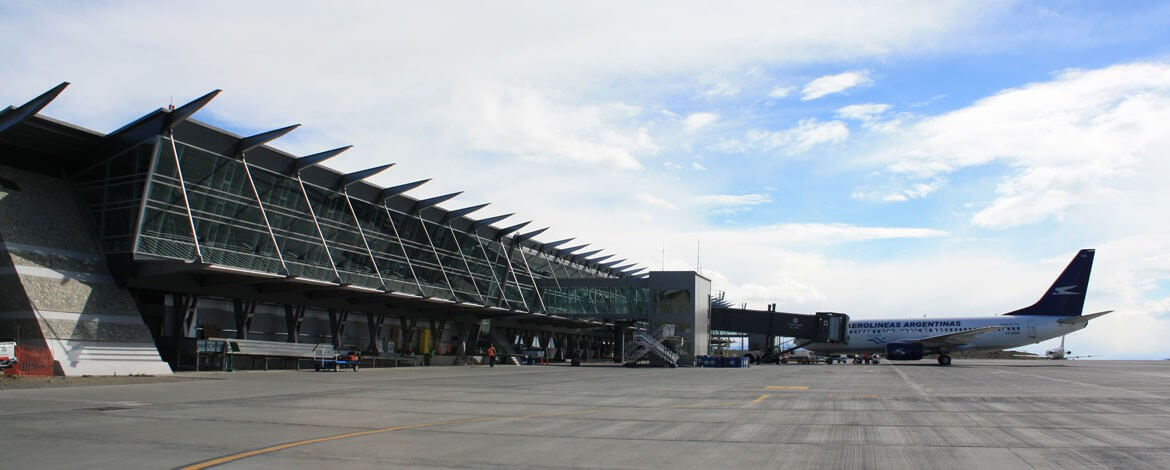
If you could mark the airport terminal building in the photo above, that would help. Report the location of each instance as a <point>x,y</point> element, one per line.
<point>135,251</point>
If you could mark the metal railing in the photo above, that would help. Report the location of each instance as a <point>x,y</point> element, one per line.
<point>645,343</point>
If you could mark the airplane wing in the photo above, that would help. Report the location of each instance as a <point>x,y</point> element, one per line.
<point>953,339</point>
<point>1082,318</point>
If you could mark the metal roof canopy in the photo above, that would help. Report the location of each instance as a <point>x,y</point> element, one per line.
<point>65,148</point>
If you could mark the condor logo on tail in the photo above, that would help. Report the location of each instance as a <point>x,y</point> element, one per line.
<point>1063,298</point>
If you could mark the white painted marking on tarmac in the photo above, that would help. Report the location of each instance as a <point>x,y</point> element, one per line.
<point>1085,384</point>
<point>919,389</point>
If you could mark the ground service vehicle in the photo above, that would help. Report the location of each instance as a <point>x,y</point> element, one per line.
<point>7,353</point>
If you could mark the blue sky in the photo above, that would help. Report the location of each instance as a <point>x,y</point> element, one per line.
<point>879,159</point>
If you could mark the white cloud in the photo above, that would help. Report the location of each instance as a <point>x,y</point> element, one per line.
<point>830,84</point>
<point>698,166</point>
<point>655,201</point>
<point>806,234</point>
<point>798,139</point>
<point>781,91</point>
<point>720,90</point>
<point>696,121</point>
<point>910,191</point>
<point>862,112</point>
<point>732,203</point>
<point>526,124</point>
<point>1071,141</point>
<point>734,199</point>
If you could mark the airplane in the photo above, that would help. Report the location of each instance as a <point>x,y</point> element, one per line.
<point>1060,353</point>
<point>1057,313</point>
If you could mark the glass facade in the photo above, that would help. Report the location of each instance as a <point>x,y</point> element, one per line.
<point>594,302</point>
<point>244,216</point>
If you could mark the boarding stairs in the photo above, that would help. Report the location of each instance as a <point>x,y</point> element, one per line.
<point>646,343</point>
<point>504,347</point>
<point>793,346</point>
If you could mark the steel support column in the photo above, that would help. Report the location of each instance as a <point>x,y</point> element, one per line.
<point>374,323</point>
<point>491,266</point>
<point>146,194</point>
<point>539,297</point>
<point>619,342</point>
<point>186,202</point>
<point>186,315</point>
<point>294,317</point>
<point>337,322</point>
<point>244,312</point>
<point>439,260</point>
<point>263,213</point>
<point>320,233</point>
<point>402,246</point>
<point>466,264</point>
<point>362,233</point>
<point>508,264</point>
<point>408,328</point>
<point>436,333</point>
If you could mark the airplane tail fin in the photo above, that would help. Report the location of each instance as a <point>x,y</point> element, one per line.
<point>1066,297</point>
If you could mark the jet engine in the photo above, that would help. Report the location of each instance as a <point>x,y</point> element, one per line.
<point>903,351</point>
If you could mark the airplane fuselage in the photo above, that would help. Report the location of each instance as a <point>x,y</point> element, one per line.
<point>872,336</point>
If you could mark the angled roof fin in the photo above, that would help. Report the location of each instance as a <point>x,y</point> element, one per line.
<point>610,264</point>
<point>428,202</point>
<point>351,178</point>
<point>402,188</point>
<point>183,112</point>
<point>310,160</point>
<point>551,245</point>
<point>594,261</point>
<point>569,250</point>
<point>581,257</point>
<point>251,142</point>
<point>490,220</point>
<point>10,117</point>
<point>457,213</point>
<point>529,235</point>
<point>504,231</point>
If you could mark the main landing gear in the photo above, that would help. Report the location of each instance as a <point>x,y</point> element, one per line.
<point>944,360</point>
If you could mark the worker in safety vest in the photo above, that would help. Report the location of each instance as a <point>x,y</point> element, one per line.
<point>491,353</point>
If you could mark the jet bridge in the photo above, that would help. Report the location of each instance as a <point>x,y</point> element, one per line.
<point>822,327</point>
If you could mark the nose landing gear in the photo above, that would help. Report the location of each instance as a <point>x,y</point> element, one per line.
<point>944,360</point>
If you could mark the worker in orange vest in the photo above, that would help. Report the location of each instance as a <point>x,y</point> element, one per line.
<point>491,356</point>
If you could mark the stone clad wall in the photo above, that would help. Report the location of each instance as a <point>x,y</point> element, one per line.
<point>58,290</point>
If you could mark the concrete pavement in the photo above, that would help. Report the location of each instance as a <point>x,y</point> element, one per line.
<point>976,414</point>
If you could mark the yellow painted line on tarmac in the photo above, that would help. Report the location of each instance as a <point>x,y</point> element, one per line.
<point>289,445</point>
<point>761,398</point>
<point>787,387</point>
<point>714,405</point>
